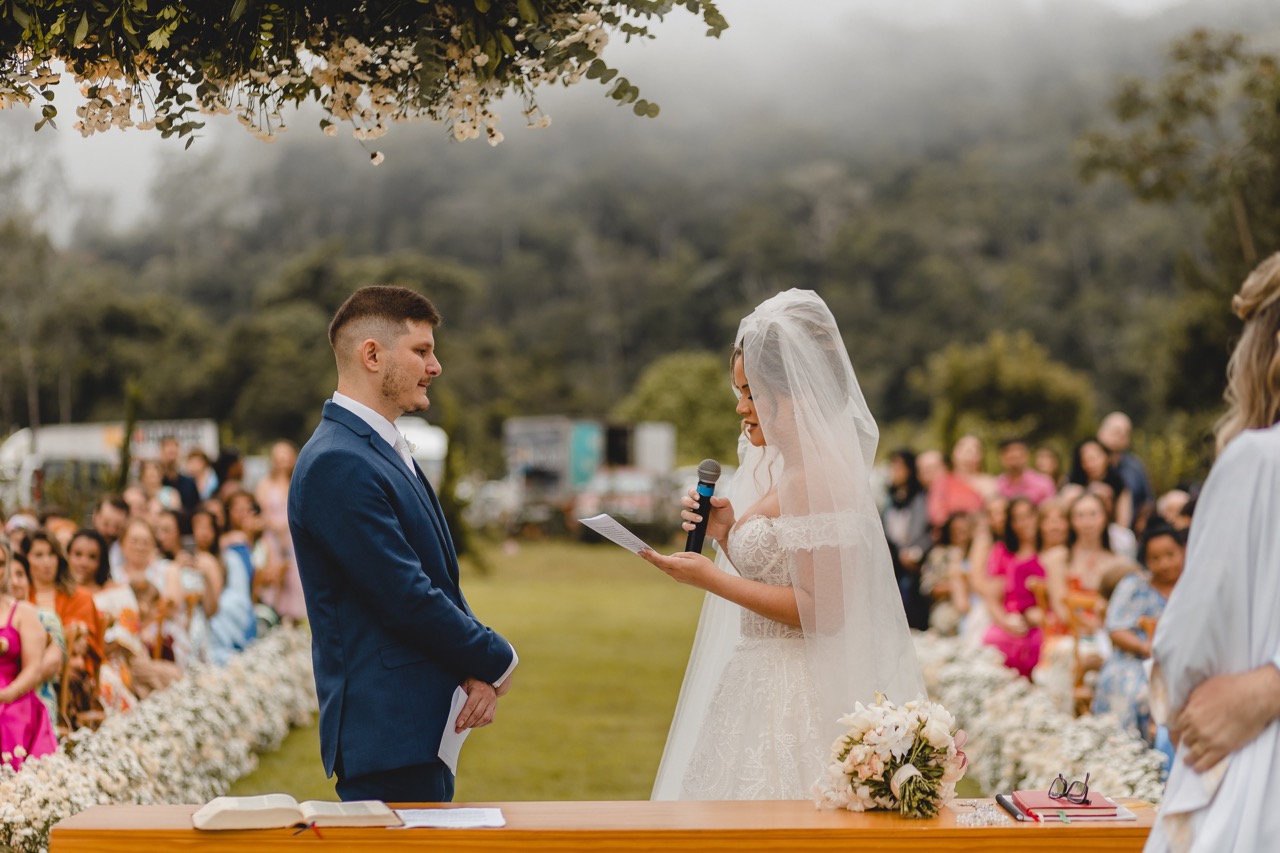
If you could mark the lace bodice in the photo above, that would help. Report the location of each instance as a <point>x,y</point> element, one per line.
<point>756,553</point>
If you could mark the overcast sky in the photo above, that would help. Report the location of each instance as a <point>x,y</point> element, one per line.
<point>112,162</point>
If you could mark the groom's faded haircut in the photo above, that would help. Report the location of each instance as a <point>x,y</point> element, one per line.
<point>379,312</point>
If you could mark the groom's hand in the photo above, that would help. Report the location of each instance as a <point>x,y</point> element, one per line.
<point>481,704</point>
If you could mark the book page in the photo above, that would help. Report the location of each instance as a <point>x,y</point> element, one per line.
<point>354,813</point>
<point>268,811</point>
<point>451,818</point>
<point>608,527</point>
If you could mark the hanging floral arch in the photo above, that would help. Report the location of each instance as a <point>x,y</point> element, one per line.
<point>157,65</point>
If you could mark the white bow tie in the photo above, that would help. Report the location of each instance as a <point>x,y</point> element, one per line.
<point>405,444</point>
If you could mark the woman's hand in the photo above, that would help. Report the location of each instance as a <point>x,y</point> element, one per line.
<point>685,567</point>
<point>719,520</point>
<point>1014,623</point>
<point>1224,713</point>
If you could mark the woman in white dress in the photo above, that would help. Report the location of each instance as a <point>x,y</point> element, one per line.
<point>804,617</point>
<point>1217,646</point>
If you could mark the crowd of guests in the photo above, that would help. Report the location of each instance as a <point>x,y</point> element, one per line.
<point>1063,569</point>
<point>184,566</point>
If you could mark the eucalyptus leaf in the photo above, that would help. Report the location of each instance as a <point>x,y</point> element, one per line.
<point>82,29</point>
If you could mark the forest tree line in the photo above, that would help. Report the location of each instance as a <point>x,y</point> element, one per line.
<point>987,279</point>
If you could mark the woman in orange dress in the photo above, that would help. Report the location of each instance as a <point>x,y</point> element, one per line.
<point>53,588</point>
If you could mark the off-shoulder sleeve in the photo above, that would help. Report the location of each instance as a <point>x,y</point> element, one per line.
<point>825,530</point>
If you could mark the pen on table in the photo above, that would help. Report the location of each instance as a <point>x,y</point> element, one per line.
<point>1012,808</point>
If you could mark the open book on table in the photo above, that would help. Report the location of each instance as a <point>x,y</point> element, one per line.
<point>275,811</point>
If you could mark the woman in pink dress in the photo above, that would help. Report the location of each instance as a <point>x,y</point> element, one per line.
<point>1015,617</point>
<point>25,729</point>
<point>278,582</point>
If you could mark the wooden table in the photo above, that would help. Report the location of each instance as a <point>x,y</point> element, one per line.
<point>613,826</point>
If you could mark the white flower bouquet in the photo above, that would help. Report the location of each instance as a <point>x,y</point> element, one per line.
<point>906,758</point>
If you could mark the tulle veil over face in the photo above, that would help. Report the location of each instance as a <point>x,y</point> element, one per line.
<point>822,443</point>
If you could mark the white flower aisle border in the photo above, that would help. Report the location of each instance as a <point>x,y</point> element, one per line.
<point>1018,739</point>
<point>184,744</point>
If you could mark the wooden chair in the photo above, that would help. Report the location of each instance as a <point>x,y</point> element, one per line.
<point>159,613</point>
<point>1080,606</point>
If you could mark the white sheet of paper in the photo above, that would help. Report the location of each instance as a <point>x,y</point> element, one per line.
<point>450,818</point>
<point>451,741</point>
<point>610,529</point>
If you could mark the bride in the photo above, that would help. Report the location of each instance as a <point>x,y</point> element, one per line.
<point>804,617</point>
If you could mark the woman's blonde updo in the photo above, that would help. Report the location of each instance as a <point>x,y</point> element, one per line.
<point>1253,374</point>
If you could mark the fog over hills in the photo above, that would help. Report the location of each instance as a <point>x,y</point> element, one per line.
<point>866,78</point>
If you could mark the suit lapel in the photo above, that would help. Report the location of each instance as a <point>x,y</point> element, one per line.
<point>441,527</point>
<point>415,478</point>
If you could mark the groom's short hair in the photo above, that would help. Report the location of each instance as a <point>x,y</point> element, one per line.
<point>379,312</point>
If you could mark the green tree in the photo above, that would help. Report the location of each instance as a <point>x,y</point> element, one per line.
<point>691,390</point>
<point>1009,386</point>
<point>1207,132</point>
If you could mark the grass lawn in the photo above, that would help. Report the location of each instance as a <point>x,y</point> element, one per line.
<point>603,640</point>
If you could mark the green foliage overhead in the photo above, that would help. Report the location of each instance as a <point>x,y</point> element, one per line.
<point>679,388</point>
<point>159,65</point>
<point>1009,383</point>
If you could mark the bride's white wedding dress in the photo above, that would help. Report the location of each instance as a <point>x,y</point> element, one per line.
<point>761,701</point>
<point>760,739</point>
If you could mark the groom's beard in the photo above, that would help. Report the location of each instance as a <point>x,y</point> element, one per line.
<point>394,392</point>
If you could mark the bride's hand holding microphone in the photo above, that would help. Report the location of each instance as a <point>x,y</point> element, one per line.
<point>703,515</point>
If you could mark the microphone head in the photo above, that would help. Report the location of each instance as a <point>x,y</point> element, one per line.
<point>708,471</point>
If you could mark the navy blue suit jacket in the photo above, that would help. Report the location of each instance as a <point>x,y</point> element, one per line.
<point>392,636</point>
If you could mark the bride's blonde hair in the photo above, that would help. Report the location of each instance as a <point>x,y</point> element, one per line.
<point>1253,374</point>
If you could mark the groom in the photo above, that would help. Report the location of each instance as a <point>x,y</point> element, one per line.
<point>392,635</point>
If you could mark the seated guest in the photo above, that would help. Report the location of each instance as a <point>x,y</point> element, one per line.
<point>964,488</point>
<point>55,649</point>
<point>1122,685</point>
<point>906,526</point>
<point>1049,463</point>
<point>1078,566</point>
<point>1016,479</point>
<point>1092,464</point>
<point>947,577</point>
<point>929,467</point>
<point>53,588</point>
<point>1169,508</point>
<point>1123,541</point>
<point>25,728</point>
<point>200,469</point>
<point>118,610</point>
<point>1016,619</point>
<point>201,576</point>
<point>1115,433</point>
<point>1054,525</point>
<point>233,626</point>
<point>157,586</point>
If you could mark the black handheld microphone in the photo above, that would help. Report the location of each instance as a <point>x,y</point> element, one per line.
<point>708,473</point>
